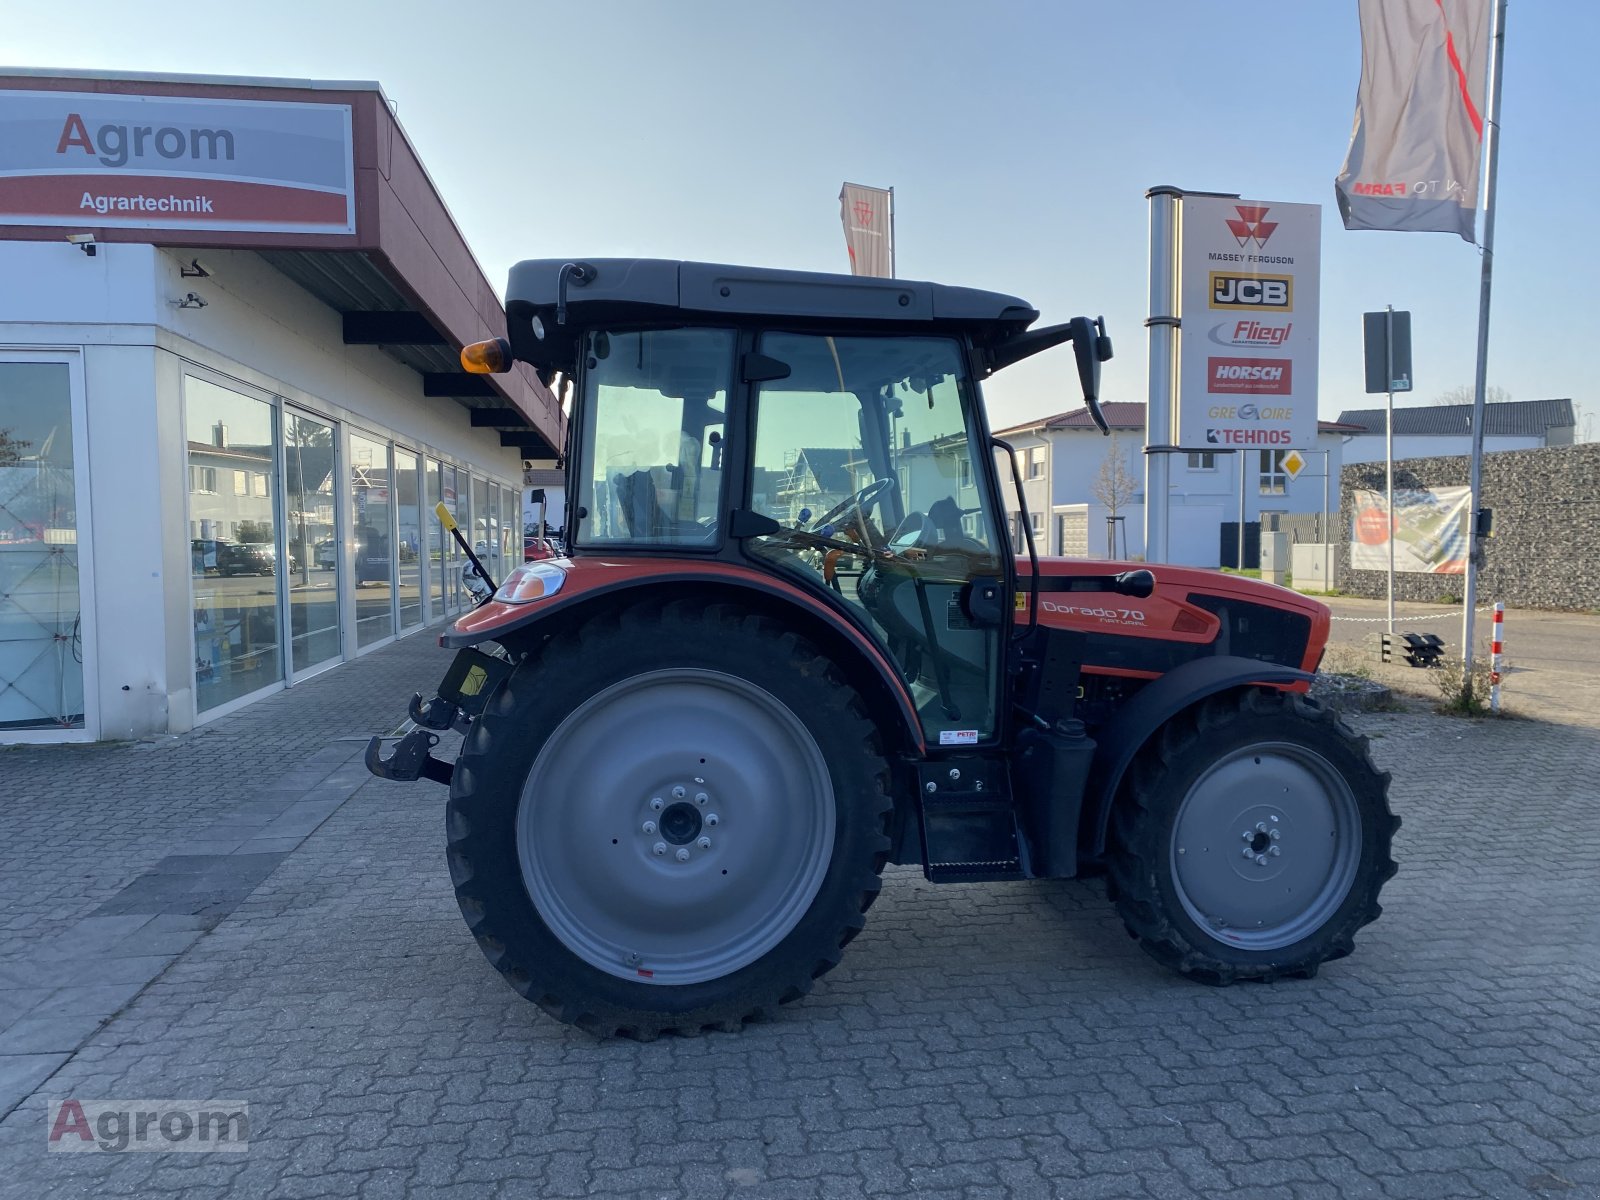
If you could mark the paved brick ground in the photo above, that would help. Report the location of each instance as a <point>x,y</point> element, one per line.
<point>979,1040</point>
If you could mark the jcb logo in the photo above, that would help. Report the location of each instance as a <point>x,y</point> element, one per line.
<point>1262,293</point>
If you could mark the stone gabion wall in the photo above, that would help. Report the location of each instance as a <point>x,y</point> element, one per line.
<point>1545,552</point>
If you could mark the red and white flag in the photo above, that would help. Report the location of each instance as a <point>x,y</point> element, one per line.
<point>867,214</point>
<point>1413,159</point>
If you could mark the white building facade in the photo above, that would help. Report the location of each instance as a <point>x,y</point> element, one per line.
<point>1066,481</point>
<point>213,483</point>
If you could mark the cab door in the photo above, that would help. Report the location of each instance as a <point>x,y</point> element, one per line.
<point>866,456</point>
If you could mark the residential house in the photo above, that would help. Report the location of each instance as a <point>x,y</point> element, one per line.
<point>1062,456</point>
<point>1434,430</point>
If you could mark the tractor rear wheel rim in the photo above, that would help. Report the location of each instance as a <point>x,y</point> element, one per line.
<point>1266,846</point>
<point>676,826</point>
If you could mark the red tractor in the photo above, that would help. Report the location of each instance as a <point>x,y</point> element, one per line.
<point>792,643</point>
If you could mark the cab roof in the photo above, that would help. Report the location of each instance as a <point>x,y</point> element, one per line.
<point>609,293</point>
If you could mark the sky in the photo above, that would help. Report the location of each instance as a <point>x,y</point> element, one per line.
<point>1019,139</point>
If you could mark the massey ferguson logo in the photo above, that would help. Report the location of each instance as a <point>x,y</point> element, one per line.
<point>1249,333</point>
<point>1262,293</point>
<point>1251,225</point>
<point>1250,376</point>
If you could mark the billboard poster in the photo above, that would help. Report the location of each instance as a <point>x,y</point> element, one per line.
<point>1429,525</point>
<point>105,160</point>
<point>1247,298</point>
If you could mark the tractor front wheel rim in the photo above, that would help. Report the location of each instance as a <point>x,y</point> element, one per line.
<point>676,826</point>
<point>1266,846</point>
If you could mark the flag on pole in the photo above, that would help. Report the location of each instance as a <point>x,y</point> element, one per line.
<point>868,215</point>
<point>1413,158</point>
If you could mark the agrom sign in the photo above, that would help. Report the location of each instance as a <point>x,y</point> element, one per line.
<point>99,160</point>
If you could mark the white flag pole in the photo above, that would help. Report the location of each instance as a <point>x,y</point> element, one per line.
<point>891,234</point>
<point>1491,134</point>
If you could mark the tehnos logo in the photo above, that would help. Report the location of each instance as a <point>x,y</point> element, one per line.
<point>1256,293</point>
<point>1251,225</point>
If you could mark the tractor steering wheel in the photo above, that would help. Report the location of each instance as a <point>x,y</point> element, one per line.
<point>861,501</point>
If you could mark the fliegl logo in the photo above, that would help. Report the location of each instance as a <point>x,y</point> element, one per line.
<point>1251,333</point>
<point>1261,293</point>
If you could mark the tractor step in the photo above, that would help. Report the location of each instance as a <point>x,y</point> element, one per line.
<point>969,823</point>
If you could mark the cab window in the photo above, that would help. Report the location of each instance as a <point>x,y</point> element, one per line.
<point>654,424</point>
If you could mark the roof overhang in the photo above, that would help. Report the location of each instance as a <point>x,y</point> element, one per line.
<point>396,267</point>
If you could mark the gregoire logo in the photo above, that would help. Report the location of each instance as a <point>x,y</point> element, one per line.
<point>1257,293</point>
<point>1249,332</point>
<point>1251,225</point>
<point>1250,376</point>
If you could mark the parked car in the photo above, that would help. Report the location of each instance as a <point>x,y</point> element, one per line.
<point>246,558</point>
<point>537,548</point>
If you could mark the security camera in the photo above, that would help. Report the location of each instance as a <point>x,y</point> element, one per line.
<point>83,241</point>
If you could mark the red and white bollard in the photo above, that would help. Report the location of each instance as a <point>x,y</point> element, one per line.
<point>1495,646</point>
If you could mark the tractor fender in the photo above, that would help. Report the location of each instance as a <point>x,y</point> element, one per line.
<point>584,584</point>
<point>1157,703</point>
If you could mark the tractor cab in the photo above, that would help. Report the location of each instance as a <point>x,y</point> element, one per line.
<point>826,429</point>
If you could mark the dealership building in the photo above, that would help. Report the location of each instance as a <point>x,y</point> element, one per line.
<point>230,396</point>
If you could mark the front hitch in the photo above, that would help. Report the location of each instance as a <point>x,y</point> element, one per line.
<point>410,760</point>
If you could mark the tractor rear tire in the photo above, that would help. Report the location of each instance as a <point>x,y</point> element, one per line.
<point>672,819</point>
<point>1251,839</point>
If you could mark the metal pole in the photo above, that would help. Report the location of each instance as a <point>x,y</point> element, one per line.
<point>891,233</point>
<point>1388,444</point>
<point>1327,542</point>
<point>1496,648</point>
<point>1491,134</point>
<point>1163,327</point>
<point>1240,456</point>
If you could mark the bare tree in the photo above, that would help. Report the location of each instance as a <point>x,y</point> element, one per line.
<point>1462,393</point>
<point>1114,484</point>
<point>11,448</point>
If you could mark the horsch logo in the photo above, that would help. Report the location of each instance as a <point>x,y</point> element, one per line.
<point>117,145</point>
<point>1250,376</point>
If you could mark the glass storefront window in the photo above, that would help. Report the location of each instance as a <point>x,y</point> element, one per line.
<point>456,502</point>
<point>233,542</point>
<point>481,520</point>
<point>433,535</point>
<point>41,645</point>
<point>371,516</point>
<point>511,527</point>
<point>309,454</point>
<point>408,555</point>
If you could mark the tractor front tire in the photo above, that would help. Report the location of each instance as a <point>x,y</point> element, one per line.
<point>673,818</point>
<point>1250,839</point>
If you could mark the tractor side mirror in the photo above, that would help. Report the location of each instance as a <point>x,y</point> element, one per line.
<point>1091,347</point>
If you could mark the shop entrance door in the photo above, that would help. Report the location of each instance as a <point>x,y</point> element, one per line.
<point>309,453</point>
<point>41,616</point>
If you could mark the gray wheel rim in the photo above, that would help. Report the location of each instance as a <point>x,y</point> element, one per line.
<point>1266,846</point>
<point>676,826</point>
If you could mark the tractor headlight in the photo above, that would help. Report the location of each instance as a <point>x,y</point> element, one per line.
<point>530,582</point>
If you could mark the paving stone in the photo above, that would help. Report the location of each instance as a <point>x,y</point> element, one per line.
<point>977,1040</point>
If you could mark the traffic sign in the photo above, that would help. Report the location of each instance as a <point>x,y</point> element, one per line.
<point>1293,463</point>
